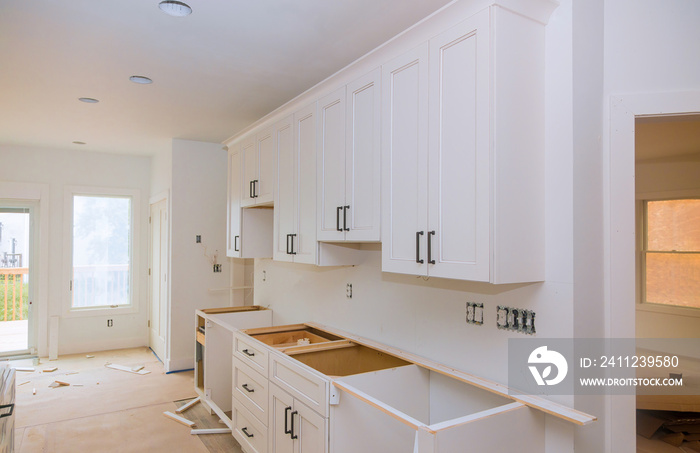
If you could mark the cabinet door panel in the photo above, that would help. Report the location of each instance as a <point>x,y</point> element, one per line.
<point>459,192</point>
<point>250,170</point>
<point>281,405</point>
<point>284,195</point>
<point>305,245</point>
<point>331,165</point>
<point>310,430</point>
<point>362,178</point>
<point>233,228</point>
<point>404,161</point>
<point>265,178</point>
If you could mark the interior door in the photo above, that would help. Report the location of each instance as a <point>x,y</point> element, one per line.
<point>159,277</point>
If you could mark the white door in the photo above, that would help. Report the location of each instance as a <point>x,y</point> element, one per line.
<point>249,154</point>
<point>363,160</point>
<point>159,277</point>
<point>233,236</point>
<point>264,182</point>
<point>285,205</point>
<point>330,164</point>
<point>304,245</point>
<point>281,406</point>
<point>309,430</point>
<point>459,184</point>
<point>405,162</point>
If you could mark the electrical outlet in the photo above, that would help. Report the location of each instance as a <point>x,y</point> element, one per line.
<point>502,317</point>
<point>475,313</point>
<point>516,320</point>
<point>110,323</point>
<point>198,239</point>
<point>217,268</point>
<point>348,290</point>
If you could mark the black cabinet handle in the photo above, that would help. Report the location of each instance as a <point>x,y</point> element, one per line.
<point>288,252</point>
<point>255,188</point>
<point>337,218</point>
<point>235,244</point>
<point>251,189</point>
<point>291,429</point>
<point>249,354</point>
<point>293,236</point>
<point>418,235</point>
<point>245,431</point>
<point>286,416</point>
<point>345,218</point>
<point>430,247</point>
<point>245,386</point>
<point>7,406</point>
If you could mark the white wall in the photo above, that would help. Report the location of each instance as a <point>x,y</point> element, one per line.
<point>198,207</point>
<point>659,177</point>
<point>59,168</point>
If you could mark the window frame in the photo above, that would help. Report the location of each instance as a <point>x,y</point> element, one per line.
<point>641,241</point>
<point>134,295</point>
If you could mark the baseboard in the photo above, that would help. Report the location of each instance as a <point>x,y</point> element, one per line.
<point>105,345</point>
<point>171,365</point>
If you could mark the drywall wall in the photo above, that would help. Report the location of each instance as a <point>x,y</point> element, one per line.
<point>663,178</point>
<point>198,207</point>
<point>58,169</point>
<point>650,46</point>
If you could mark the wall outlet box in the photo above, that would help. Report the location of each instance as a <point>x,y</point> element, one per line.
<point>475,313</point>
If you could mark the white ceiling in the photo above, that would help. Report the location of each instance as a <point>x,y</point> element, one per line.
<point>214,72</point>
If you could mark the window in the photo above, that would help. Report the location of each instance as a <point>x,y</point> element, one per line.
<point>671,253</point>
<point>102,239</point>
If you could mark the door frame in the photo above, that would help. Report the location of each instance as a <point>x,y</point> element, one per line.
<point>620,223</point>
<point>36,195</point>
<point>162,196</point>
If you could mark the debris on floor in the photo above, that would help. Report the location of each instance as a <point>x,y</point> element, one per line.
<point>56,384</point>
<point>126,368</point>
<point>24,368</point>
<point>211,431</point>
<point>50,370</point>
<point>186,406</point>
<point>179,419</point>
<point>89,356</point>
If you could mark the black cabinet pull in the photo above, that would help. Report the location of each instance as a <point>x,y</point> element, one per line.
<point>345,218</point>
<point>293,236</point>
<point>245,431</point>
<point>249,354</point>
<point>286,416</point>
<point>291,429</point>
<point>337,218</point>
<point>245,386</point>
<point>418,235</point>
<point>7,406</point>
<point>251,189</point>
<point>235,244</point>
<point>288,252</point>
<point>255,188</point>
<point>430,247</point>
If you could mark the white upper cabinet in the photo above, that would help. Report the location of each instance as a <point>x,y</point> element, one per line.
<point>258,169</point>
<point>233,226</point>
<point>348,162</point>
<point>462,146</point>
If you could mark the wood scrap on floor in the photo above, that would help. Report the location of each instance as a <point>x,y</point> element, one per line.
<point>24,368</point>
<point>179,419</point>
<point>89,356</point>
<point>56,384</point>
<point>210,431</point>
<point>22,383</point>
<point>186,406</point>
<point>125,368</point>
<point>50,370</point>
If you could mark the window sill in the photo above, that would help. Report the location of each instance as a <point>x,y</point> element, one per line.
<point>669,310</point>
<point>100,311</point>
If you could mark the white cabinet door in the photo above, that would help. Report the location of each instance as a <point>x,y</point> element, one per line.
<point>281,407</point>
<point>330,165</point>
<point>361,213</point>
<point>303,243</point>
<point>458,233</point>
<point>405,162</point>
<point>265,181</point>
<point>308,430</point>
<point>285,173</point>
<point>233,227</point>
<point>249,156</point>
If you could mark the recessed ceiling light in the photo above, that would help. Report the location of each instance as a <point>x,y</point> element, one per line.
<point>89,100</point>
<point>175,8</point>
<point>140,79</point>
<point>78,143</point>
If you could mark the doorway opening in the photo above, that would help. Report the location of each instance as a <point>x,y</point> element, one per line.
<point>16,268</point>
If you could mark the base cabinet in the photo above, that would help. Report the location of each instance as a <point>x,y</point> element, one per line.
<point>294,427</point>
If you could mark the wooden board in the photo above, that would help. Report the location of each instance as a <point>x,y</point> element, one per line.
<point>179,419</point>
<point>211,311</point>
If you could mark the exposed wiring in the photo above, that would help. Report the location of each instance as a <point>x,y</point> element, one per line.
<point>213,260</point>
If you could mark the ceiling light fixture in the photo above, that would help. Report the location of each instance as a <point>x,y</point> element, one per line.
<point>175,8</point>
<point>140,79</point>
<point>89,100</point>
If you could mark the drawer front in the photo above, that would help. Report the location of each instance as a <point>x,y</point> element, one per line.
<point>250,389</point>
<point>248,431</point>
<point>250,353</point>
<point>310,388</point>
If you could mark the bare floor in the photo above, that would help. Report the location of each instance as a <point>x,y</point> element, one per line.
<point>107,410</point>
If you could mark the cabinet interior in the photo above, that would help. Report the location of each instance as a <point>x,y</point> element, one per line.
<point>345,361</point>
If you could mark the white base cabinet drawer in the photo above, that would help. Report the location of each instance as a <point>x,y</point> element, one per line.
<point>246,350</point>
<point>249,431</point>
<point>250,390</point>
<point>301,383</point>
